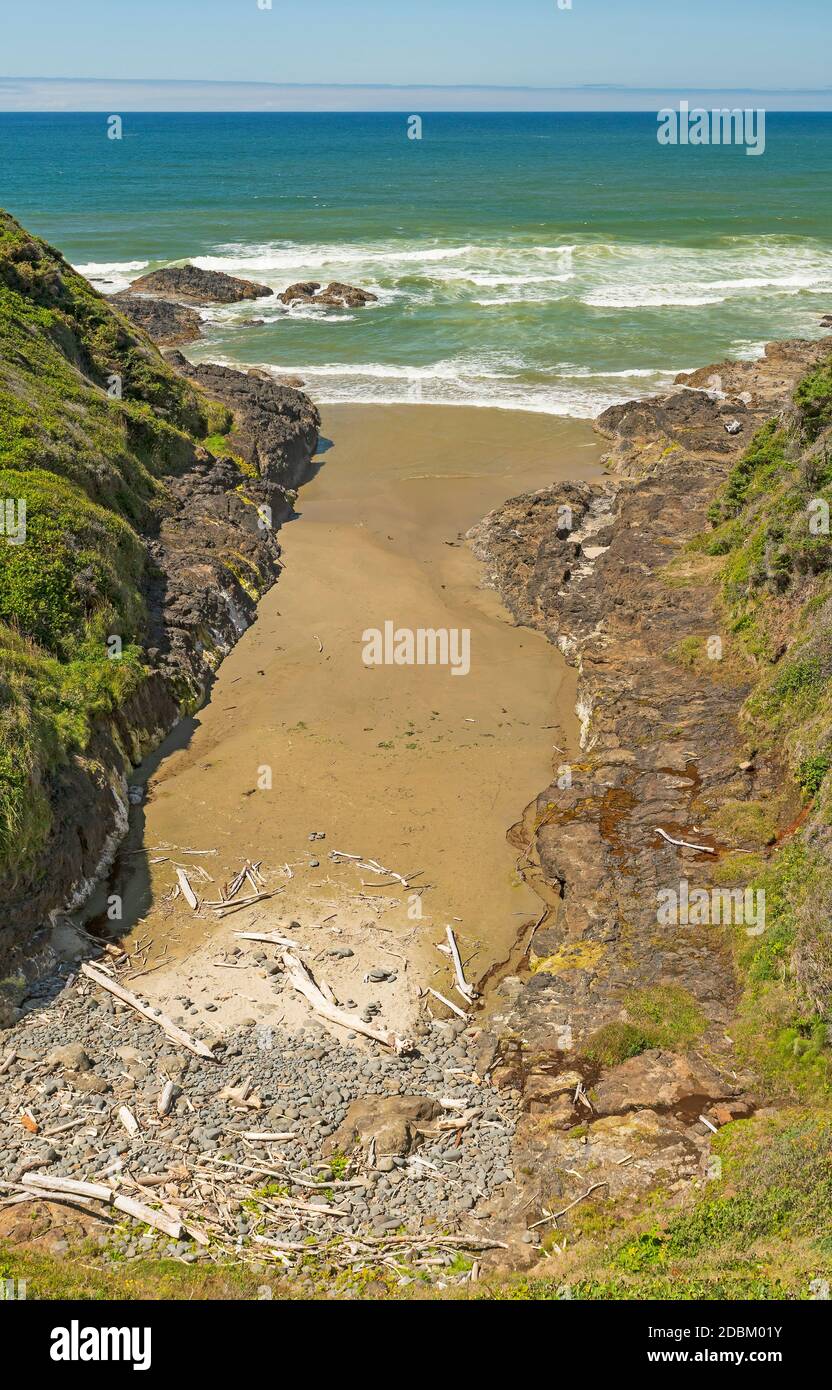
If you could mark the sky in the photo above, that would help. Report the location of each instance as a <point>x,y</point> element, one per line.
<point>598,47</point>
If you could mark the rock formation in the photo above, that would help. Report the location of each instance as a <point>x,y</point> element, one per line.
<point>608,573</point>
<point>335,296</point>
<point>194,286</point>
<point>167,323</point>
<point>151,514</point>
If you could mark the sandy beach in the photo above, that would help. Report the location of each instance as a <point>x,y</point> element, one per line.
<point>422,771</point>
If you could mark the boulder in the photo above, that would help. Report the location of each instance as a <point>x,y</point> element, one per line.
<point>393,1121</point>
<point>340,296</point>
<point>335,296</point>
<point>542,1092</point>
<point>71,1057</point>
<point>195,286</point>
<point>659,1081</point>
<point>168,324</point>
<point>303,289</point>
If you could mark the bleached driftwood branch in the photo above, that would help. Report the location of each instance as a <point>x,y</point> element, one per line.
<point>166,1024</point>
<point>460,1013</point>
<point>467,991</point>
<point>303,980</point>
<point>685,844</point>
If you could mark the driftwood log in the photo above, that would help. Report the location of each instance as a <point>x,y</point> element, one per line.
<point>167,1025</point>
<point>304,982</point>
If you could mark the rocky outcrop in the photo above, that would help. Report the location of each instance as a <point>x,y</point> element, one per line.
<point>194,286</point>
<point>276,426</point>
<point>213,554</point>
<point>603,571</point>
<point>168,324</point>
<point>335,296</point>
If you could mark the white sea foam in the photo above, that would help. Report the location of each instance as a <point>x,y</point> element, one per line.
<point>532,297</point>
<point>112,276</point>
<point>492,380</point>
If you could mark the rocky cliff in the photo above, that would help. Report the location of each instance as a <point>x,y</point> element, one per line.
<point>143,506</point>
<point>693,595</point>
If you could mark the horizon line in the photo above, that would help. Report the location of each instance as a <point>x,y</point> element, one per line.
<point>82,95</point>
<point>408,86</point>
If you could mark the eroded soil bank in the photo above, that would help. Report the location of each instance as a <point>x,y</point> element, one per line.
<point>419,769</point>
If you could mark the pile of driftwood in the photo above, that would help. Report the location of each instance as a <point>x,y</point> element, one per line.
<point>249,877</point>
<point>203,1199</point>
<point>204,1202</point>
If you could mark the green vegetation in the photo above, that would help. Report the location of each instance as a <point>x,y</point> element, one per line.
<point>813,399</point>
<point>777,597</point>
<point>662,1016</point>
<point>92,420</point>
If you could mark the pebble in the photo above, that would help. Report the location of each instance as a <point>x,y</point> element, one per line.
<point>306,1083</point>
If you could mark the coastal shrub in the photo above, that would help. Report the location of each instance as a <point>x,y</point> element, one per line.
<point>747,822</point>
<point>46,711</point>
<point>811,960</point>
<point>781,1186</point>
<point>614,1043</point>
<point>668,1014</point>
<point>660,1016</point>
<point>786,978</point>
<point>93,421</point>
<point>79,562</point>
<point>762,460</point>
<point>813,399</point>
<point>811,773</point>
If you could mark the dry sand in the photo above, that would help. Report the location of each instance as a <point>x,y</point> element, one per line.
<point>421,770</point>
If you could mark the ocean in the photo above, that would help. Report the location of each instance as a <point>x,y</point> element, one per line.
<point>546,262</point>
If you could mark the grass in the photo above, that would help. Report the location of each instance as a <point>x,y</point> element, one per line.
<point>92,423</point>
<point>665,1016</point>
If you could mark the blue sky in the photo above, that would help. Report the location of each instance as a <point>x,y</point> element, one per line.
<point>670,45</point>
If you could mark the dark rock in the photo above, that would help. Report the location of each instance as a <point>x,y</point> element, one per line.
<point>166,323</point>
<point>196,286</point>
<point>335,296</point>
<point>658,1080</point>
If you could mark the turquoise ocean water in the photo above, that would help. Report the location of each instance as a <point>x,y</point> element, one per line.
<point>549,262</point>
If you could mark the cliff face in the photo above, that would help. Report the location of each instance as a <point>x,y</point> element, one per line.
<point>692,596</point>
<point>142,509</point>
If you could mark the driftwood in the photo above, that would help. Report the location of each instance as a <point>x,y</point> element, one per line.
<point>460,1013</point>
<point>304,982</point>
<point>140,1212</point>
<point>462,984</point>
<point>263,1136</point>
<point>187,891</point>
<point>372,865</point>
<point>226,908</point>
<point>71,1186</point>
<point>460,1121</point>
<point>129,1121</point>
<point>49,1187</point>
<point>685,844</point>
<point>554,1215</point>
<point>167,1025</point>
<point>165,1100</point>
<point>270,938</point>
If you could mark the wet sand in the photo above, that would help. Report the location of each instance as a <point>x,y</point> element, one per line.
<point>419,769</point>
